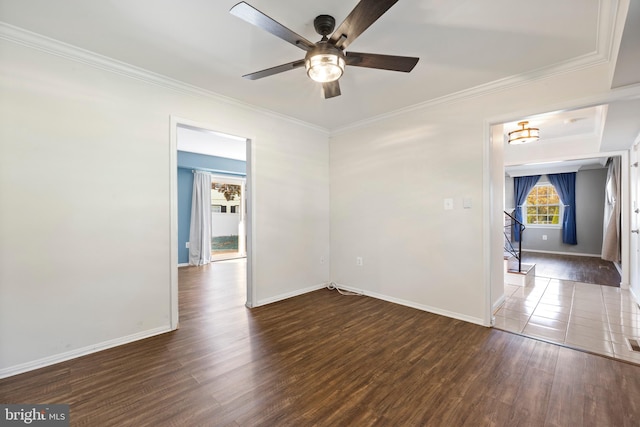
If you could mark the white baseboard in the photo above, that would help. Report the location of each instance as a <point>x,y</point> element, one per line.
<point>73,354</point>
<point>185,264</point>
<point>618,267</point>
<point>561,253</point>
<point>633,294</point>
<point>287,295</point>
<point>498,303</point>
<point>412,304</point>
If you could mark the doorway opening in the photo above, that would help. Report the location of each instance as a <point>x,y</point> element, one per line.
<point>576,310</point>
<point>228,220</point>
<point>201,147</point>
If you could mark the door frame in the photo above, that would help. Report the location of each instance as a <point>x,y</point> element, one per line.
<point>493,190</point>
<point>634,189</point>
<point>249,186</point>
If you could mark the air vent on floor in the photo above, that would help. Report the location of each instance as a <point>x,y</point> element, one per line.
<point>633,344</point>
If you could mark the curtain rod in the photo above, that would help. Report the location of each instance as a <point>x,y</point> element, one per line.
<point>214,171</point>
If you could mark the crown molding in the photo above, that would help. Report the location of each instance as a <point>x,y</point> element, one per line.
<point>51,46</point>
<point>582,62</point>
<point>608,16</point>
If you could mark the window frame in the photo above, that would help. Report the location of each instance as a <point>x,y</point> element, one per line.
<point>525,216</point>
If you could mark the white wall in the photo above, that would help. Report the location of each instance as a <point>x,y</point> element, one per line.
<point>419,254</point>
<point>224,224</point>
<point>85,193</point>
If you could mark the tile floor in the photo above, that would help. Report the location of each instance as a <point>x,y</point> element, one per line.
<point>579,315</point>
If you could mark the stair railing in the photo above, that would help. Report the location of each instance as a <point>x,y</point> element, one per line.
<point>510,222</point>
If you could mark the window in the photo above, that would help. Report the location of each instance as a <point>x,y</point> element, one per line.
<point>543,206</point>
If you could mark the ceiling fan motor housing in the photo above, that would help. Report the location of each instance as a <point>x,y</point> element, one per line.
<point>324,25</point>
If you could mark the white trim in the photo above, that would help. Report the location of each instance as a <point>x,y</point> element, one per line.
<point>250,220</point>
<point>51,46</point>
<point>487,212</point>
<point>288,295</point>
<point>616,38</point>
<point>579,63</point>
<point>633,294</point>
<point>73,354</point>
<point>173,222</point>
<point>546,226</point>
<point>625,221</point>
<point>497,305</point>
<point>618,267</point>
<point>561,253</point>
<point>185,264</point>
<point>412,304</point>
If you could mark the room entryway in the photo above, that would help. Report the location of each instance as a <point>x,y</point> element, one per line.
<point>222,162</point>
<point>228,221</point>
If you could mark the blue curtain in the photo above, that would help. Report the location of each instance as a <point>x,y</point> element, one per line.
<point>522,186</point>
<point>565,185</point>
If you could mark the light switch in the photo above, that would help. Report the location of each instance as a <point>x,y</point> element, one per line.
<point>448,204</point>
<point>466,203</point>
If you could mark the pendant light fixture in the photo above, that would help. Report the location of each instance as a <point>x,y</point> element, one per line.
<point>524,135</point>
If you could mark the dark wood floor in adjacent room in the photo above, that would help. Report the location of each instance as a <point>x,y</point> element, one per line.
<point>585,269</point>
<point>324,359</point>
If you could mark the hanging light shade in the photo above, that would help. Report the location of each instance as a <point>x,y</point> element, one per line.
<point>524,135</point>
<point>325,63</point>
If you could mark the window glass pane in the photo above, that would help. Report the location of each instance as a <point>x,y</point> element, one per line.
<point>543,206</point>
<point>543,191</point>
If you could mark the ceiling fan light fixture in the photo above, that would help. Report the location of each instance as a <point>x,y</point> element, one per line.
<point>524,135</point>
<point>325,63</point>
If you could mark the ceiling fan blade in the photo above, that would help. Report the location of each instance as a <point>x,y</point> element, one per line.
<point>274,70</point>
<point>383,62</point>
<point>361,17</point>
<point>331,89</point>
<point>253,16</point>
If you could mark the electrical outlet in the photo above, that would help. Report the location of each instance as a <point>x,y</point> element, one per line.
<point>359,261</point>
<point>322,260</point>
<point>186,245</point>
<point>544,237</point>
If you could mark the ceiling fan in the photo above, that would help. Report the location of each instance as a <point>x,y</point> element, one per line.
<point>326,59</point>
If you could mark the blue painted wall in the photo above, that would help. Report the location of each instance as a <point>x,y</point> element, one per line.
<point>186,163</point>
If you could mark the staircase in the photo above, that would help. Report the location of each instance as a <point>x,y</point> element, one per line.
<point>515,272</point>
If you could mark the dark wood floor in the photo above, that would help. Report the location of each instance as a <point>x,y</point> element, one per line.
<point>572,267</point>
<point>324,359</point>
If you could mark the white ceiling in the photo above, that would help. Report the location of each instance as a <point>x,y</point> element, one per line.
<point>461,45</point>
<point>464,46</point>
<point>585,123</point>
